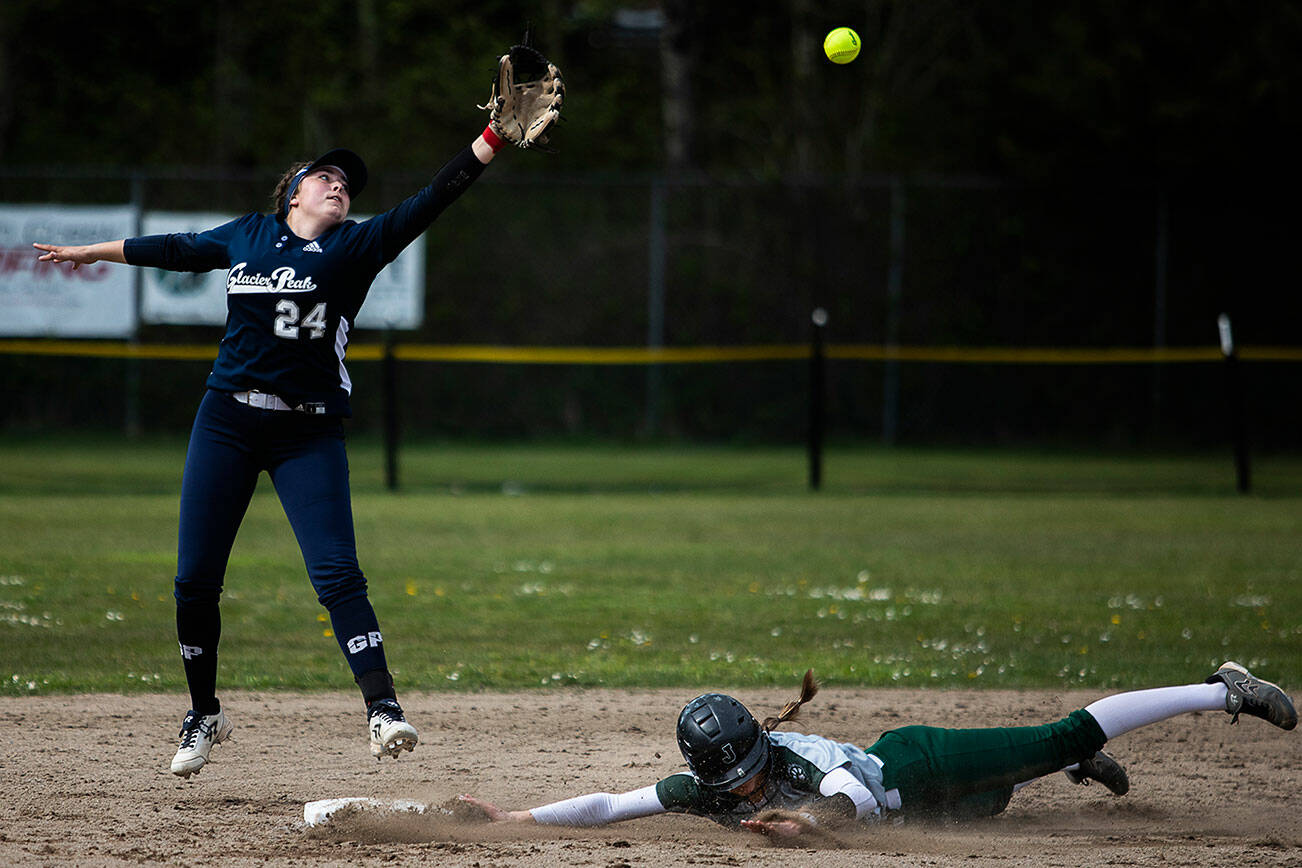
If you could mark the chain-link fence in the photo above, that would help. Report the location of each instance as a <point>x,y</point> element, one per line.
<point>679,262</point>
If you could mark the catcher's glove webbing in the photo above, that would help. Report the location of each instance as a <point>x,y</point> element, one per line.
<point>526,98</point>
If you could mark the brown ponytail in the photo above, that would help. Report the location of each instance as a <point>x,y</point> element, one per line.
<point>808,688</point>
<point>282,187</point>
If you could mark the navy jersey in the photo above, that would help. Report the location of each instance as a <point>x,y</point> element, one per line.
<point>291,302</point>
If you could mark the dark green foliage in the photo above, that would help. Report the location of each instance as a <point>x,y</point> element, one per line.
<point>1159,90</point>
<point>1047,156</point>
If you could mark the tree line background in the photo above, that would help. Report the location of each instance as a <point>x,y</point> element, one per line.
<point>1102,174</point>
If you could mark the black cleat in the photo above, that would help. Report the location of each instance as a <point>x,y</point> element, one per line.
<point>1102,768</point>
<point>1248,694</point>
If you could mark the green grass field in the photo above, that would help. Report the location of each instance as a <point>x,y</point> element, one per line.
<point>528,566</point>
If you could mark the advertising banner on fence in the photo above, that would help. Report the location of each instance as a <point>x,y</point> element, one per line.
<point>396,299</point>
<point>182,297</point>
<point>40,299</point>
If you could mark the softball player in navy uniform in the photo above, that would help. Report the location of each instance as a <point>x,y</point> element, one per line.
<point>279,389</point>
<point>743,775</point>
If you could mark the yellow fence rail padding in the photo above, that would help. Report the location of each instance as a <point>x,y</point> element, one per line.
<point>109,349</point>
<point>600,355</point>
<point>1027,355</point>
<point>370,352</point>
<point>1271,354</point>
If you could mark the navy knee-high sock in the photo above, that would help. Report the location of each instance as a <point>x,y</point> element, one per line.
<point>358,632</point>
<point>199,628</point>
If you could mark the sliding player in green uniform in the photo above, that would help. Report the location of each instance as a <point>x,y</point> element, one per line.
<point>783,784</point>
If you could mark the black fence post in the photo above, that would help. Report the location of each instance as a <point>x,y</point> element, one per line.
<point>657,255</point>
<point>390,375</point>
<point>1234,388</point>
<point>817,364</point>
<point>131,422</point>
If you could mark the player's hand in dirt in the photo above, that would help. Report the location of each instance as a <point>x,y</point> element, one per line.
<point>793,829</point>
<point>776,828</point>
<point>492,813</point>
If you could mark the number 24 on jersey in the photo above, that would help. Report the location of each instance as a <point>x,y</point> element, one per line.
<point>288,323</point>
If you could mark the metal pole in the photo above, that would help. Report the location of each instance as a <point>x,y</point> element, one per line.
<point>1159,305</point>
<point>655,301</point>
<point>1234,386</point>
<point>817,378</point>
<point>390,376</point>
<point>894,293</point>
<point>131,410</point>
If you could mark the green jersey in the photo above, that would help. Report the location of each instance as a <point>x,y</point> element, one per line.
<point>797,767</point>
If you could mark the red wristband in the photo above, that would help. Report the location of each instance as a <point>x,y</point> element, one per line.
<point>492,139</point>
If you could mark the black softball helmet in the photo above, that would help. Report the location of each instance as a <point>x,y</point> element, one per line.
<point>722,742</point>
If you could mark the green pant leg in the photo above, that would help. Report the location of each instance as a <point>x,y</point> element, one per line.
<point>932,766</point>
<point>984,804</point>
<point>906,761</point>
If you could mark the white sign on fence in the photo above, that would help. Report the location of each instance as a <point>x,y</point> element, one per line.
<point>182,297</point>
<point>396,299</point>
<point>39,299</point>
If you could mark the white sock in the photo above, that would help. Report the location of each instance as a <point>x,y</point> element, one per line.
<point>1126,711</point>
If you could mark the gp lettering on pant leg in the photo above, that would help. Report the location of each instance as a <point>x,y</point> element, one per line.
<point>358,644</point>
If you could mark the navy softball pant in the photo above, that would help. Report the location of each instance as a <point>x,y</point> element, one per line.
<point>230,445</point>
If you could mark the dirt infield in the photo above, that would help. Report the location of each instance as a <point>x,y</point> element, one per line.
<point>85,782</point>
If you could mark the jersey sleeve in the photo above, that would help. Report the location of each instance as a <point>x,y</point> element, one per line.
<point>840,782</point>
<point>680,793</point>
<point>184,251</point>
<point>387,234</point>
<point>599,809</point>
<point>829,768</point>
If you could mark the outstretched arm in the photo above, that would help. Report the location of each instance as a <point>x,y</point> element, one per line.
<point>82,254</point>
<point>494,814</point>
<point>485,149</point>
<point>594,809</point>
<point>400,225</point>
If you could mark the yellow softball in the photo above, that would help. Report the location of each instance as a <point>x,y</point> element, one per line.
<point>841,45</point>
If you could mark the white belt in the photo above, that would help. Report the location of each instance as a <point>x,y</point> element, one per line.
<point>261,400</point>
<point>267,401</point>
